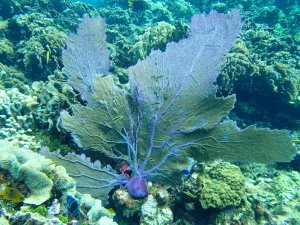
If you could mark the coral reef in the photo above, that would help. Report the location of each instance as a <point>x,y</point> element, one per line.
<point>151,214</point>
<point>53,95</point>
<point>34,170</point>
<point>95,212</point>
<point>217,185</point>
<point>276,199</point>
<point>263,68</point>
<point>12,78</point>
<point>32,218</point>
<point>124,203</point>
<point>155,209</point>
<point>36,35</point>
<point>182,122</point>
<point>16,117</point>
<point>270,199</point>
<point>6,50</point>
<point>127,26</point>
<point>153,38</point>
<point>40,54</point>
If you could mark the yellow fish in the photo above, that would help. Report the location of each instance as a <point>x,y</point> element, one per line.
<point>12,194</point>
<point>150,159</point>
<point>130,3</point>
<point>52,163</point>
<point>111,211</point>
<point>189,194</point>
<point>47,57</point>
<point>296,141</point>
<point>117,118</point>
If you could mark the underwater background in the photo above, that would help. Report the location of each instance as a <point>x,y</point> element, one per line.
<point>262,70</point>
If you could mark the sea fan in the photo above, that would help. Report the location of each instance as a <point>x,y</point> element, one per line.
<point>168,120</point>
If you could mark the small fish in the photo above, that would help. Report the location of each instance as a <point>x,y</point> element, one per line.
<point>2,176</point>
<point>296,141</point>
<point>185,172</point>
<point>52,163</point>
<point>47,57</point>
<point>189,194</point>
<point>138,4</point>
<point>73,207</point>
<point>12,194</point>
<point>60,95</point>
<point>116,118</point>
<point>149,159</point>
<point>155,103</point>
<point>111,211</point>
<point>157,77</point>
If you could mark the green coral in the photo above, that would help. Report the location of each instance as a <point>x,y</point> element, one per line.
<point>41,209</point>
<point>63,218</point>
<point>41,53</point>
<point>273,199</point>
<point>35,32</point>
<point>6,50</point>
<point>218,185</point>
<point>13,78</point>
<point>127,28</point>
<point>153,38</point>
<point>54,95</point>
<point>263,68</point>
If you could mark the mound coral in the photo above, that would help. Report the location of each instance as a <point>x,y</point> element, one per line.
<point>33,170</point>
<point>217,185</point>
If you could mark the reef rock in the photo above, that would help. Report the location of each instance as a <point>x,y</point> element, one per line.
<point>152,214</point>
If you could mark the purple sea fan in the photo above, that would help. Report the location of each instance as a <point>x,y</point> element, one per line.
<point>170,118</point>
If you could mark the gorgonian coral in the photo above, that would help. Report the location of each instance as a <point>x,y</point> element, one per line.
<point>170,117</point>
